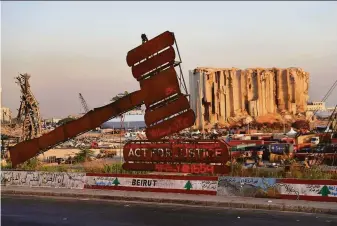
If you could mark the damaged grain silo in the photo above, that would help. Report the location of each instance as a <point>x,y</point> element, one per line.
<point>220,94</point>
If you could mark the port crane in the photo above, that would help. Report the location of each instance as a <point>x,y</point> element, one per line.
<point>84,103</point>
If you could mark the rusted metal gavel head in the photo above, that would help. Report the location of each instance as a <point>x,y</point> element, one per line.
<point>167,108</point>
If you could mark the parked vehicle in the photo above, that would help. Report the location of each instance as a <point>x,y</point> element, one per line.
<point>314,140</point>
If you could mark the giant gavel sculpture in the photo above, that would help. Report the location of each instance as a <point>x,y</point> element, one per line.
<point>167,108</point>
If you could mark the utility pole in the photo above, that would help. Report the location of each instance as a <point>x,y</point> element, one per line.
<point>120,138</point>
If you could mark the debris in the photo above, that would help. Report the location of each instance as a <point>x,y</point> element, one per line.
<point>29,112</point>
<point>229,95</point>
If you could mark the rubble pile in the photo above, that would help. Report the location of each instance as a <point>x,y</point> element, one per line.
<point>90,142</point>
<point>228,95</point>
<point>12,130</point>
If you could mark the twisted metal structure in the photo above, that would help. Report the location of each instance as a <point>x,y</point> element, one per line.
<point>167,107</point>
<point>29,112</point>
<point>84,103</point>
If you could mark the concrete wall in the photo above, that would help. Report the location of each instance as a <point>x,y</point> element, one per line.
<point>315,190</point>
<point>153,183</point>
<point>43,179</point>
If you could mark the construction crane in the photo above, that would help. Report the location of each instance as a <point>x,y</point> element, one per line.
<point>331,127</point>
<point>84,103</point>
<point>326,96</point>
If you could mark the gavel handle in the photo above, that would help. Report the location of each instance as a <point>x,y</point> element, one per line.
<point>25,150</point>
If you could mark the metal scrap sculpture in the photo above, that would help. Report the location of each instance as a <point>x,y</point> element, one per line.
<point>167,108</point>
<point>29,112</point>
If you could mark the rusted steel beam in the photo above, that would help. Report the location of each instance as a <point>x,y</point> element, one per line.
<point>178,168</point>
<point>150,47</point>
<point>158,89</point>
<point>171,126</point>
<point>163,58</point>
<point>160,86</point>
<point>171,108</point>
<point>176,152</point>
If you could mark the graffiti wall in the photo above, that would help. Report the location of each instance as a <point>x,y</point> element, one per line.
<point>247,186</point>
<point>155,183</point>
<point>314,190</point>
<point>43,179</point>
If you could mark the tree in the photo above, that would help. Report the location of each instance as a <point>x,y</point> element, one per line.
<point>116,182</point>
<point>84,155</point>
<point>64,121</point>
<point>324,191</point>
<point>117,97</point>
<point>188,185</point>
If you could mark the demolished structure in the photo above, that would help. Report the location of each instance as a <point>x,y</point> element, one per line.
<point>220,94</point>
<point>29,112</point>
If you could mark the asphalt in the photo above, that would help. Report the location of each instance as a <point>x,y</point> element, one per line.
<point>43,211</point>
<point>183,199</point>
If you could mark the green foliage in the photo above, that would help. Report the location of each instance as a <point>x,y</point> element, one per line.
<point>64,121</point>
<point>117,97</point>
<point>237,169</point>
<point>8,165</point>
<point>84,155</point>
<point>267,130</point>
<point>4,137</point>
<point>314,173</point>
<point>117,168</point>
<point>58,168</point>
<point>31,164</point>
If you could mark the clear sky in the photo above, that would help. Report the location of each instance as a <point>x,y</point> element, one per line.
<point>72,47</point>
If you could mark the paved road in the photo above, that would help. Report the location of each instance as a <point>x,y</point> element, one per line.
<point>29,211</point>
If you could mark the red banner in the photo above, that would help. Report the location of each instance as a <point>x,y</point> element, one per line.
<point>176,151</point>
<point>178,168</point>
<point>180,156</point>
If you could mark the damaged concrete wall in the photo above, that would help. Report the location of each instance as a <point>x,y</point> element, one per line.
<point>218,94</point>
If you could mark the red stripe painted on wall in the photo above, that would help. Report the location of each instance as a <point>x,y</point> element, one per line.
<point>170,177</point>
<point>300,181</point>
<point>310,198</point>
<point>124,188</point>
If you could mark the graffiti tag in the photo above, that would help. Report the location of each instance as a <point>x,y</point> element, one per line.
<point>43,179</point>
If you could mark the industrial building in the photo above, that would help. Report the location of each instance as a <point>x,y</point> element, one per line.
<point>218,94</point>
<point>131,121</point>
<point>316,106</point>
<point>6,115</point>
